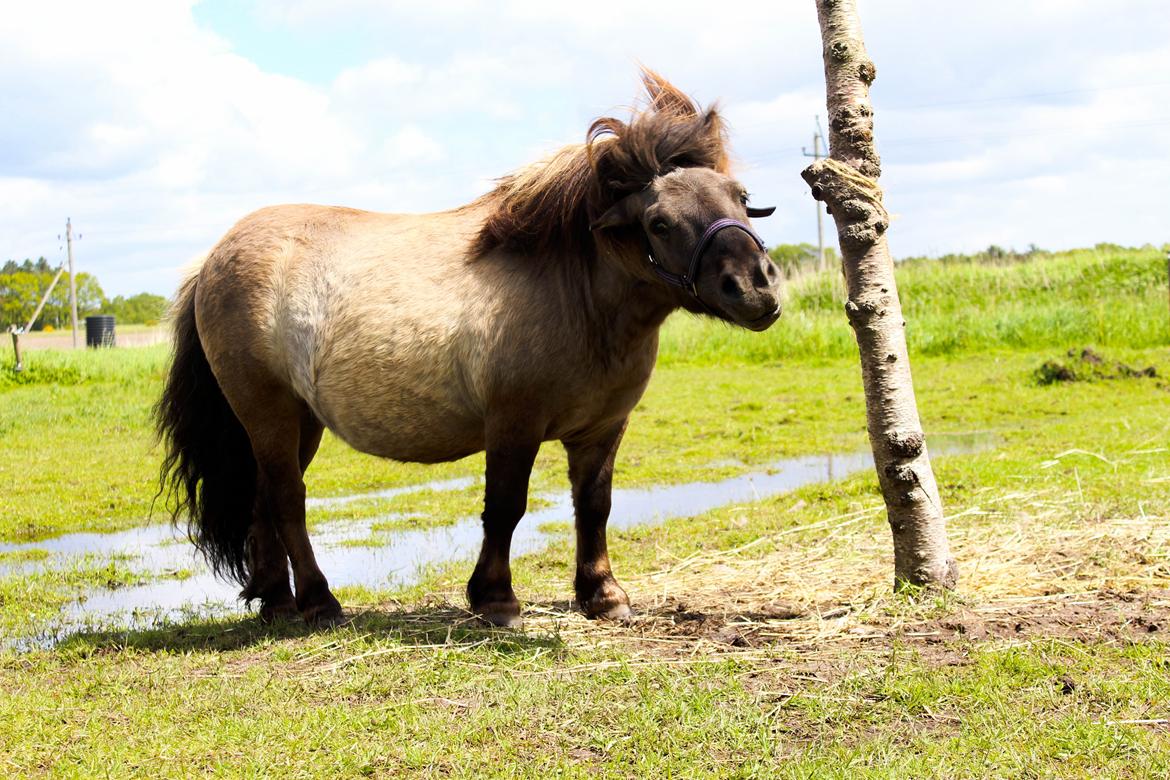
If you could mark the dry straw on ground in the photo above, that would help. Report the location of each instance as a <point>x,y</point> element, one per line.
<point>818,597</point>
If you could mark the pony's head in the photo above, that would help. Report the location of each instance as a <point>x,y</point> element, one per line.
<point>696,239</point>
<point>664,183</point>
<point>653,194</point>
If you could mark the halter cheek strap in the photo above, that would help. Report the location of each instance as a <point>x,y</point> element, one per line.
<point>687,281</point>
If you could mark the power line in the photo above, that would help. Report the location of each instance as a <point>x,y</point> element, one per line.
<point>1066,130</point>
<point>881,106</point>
<point>1029,96</point>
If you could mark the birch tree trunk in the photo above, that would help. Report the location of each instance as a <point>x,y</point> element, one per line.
<point>847,182</point>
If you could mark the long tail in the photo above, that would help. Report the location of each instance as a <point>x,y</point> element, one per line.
<point>209,472</point>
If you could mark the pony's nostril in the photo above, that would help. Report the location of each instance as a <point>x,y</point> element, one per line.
<point>760,277</point>
<point>770,270</point>
<point>729,288</point>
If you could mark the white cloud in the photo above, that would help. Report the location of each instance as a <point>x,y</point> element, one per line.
<point>410,145</point>
<point>173,139</point>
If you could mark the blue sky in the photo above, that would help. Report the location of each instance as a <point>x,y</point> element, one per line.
<point>155,125</point>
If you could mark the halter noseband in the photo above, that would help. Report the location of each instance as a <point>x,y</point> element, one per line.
<point>687,281</point>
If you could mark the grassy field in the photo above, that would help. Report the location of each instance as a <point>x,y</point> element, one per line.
<point>1107,297</point>
<point>768,643</point>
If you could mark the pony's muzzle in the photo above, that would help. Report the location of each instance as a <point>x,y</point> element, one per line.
<point>751,296</point>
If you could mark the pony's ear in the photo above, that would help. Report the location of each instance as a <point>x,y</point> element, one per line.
<point>626,211</point>
<point>757,213</point>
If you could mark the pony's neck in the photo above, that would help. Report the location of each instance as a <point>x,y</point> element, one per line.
<point>627,311</point>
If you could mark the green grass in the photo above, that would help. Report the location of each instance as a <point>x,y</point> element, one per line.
<point>27,555</point>
<point>1060,529</point>
<point>694,423</point>
<point>435,712</point>
<point>1108,297</point>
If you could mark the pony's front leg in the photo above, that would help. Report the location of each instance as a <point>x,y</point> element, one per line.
<point>591,472</point>
<point>505,498</point>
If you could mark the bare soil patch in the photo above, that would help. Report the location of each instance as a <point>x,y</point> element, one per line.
<point>1086,365</point>
<point>821,595</point>
<point>1097,617</point>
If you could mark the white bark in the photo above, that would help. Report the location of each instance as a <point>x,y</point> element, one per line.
<point>847,182</point>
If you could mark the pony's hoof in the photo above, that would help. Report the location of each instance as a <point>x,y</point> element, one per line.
<point>325,618</point>
<point>278,611</point>
<point>326,613</point>
<point>619,613</point>
<point>608,602</point>
<point>500,614</point>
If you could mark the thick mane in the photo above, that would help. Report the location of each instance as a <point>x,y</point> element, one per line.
<point>546,208</point>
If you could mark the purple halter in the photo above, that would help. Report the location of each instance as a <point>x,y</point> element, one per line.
<point>687,281</point>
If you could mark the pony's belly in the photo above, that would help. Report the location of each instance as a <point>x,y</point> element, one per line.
<point>395,389</point>
<point>417,443</point>
<point>402,424</point>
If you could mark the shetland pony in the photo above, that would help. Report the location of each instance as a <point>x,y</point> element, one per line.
<point>528,315</point>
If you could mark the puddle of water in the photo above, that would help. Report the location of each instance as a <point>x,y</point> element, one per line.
<point>406,554</point>
<point>330,502</point>
<point>163,548</point>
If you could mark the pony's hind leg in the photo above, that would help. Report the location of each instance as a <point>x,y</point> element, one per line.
<point>268,561</point>
<point>268,571</point>
<point>591,473</point>
<point>284,436</point>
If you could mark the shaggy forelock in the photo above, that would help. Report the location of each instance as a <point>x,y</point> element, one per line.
<point>546,209</point>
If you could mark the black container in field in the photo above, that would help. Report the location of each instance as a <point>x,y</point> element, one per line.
<point>99,330</point>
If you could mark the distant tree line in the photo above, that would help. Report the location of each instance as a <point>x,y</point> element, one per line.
<point>992,255</point>
<point>997,255</point>
<point>797,259</point>
<point>23,284</point>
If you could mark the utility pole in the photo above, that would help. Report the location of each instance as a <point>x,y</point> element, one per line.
<point>816,155</point>
<point>72,280</point>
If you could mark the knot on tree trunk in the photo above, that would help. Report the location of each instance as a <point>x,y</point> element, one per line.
<point>904,479</point>
<point>851,137</point>
<point>861,312</point>
<point>854,199</point>
<point>905,443</point>
<point>866,71</point>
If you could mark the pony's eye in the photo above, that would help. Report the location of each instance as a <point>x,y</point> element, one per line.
<point>743,197</point>
<point>659,228</point>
